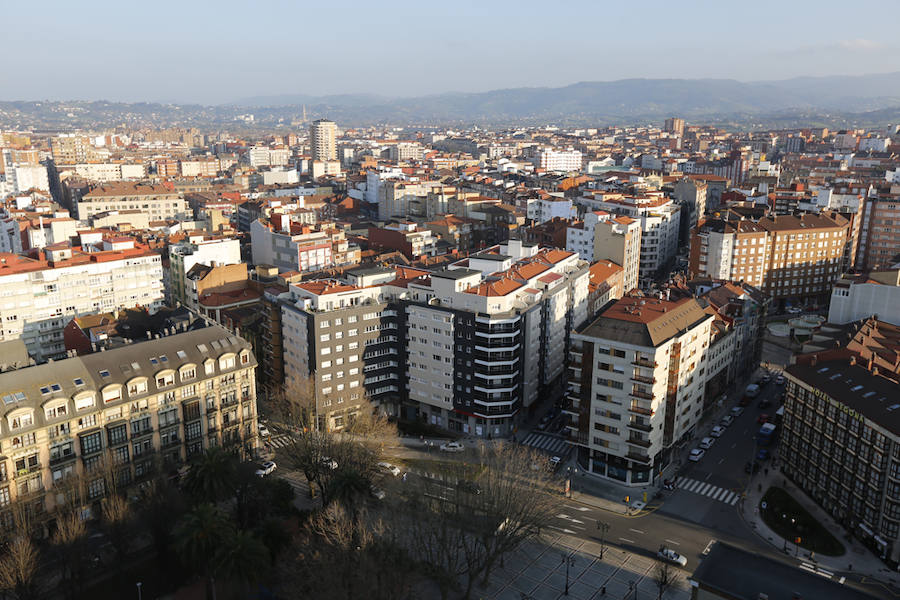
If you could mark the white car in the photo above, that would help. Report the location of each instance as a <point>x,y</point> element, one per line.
<point>671,556</point>
<point>377,493</point>
<point>696,454</point>
<point>266,468</point>
<point>737,411</point>
<point>717,431</point>
<point>452,447</point>
<point>726,421</point>
<point>779,380</point>
<point>329,462</point>
<point>707,442</point>
<point>795,310</point>
<point>392,469</point>
<point>263,430</point>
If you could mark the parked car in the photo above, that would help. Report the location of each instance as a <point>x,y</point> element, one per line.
<point>779,380</point>
<point>762,419</point>
<point>763,454</point>
<point>266,468</point>
<point>555,461</point>
<point>751,468</point>
<point>329,462</point>
<point>469,487</point>
<point>795,310</point>
<point>669,555</point>
<point>696,454</point>
<point>263,430</point>
<point>764,403</point>
<point>726,421</point>
<point>377,493</point>
<point>717,431</point>
<point>392,469</point>
<point>766,379</point>
<point>452,447</point>
<point>707,442</point>
<point>737,411</point>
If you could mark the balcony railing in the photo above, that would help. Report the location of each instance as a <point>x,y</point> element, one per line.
<point>640,410</point>
<point>637,457</point>
<point>640,426</point>
<point>640,394</point>
<point>577,437</point>
<point>643,379</point>
<point>639,441</point>
<point>643,362</point>
<point>58,460</point>
<point>29,470</point>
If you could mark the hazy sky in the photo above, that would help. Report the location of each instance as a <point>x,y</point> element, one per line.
<point>217,52</point>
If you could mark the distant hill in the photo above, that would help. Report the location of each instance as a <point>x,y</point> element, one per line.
<point>865,100</point>
<point>606,101</point>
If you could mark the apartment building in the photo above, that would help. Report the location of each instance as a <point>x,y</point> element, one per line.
<point>323,140</point>
<point>691,194</point>
<point>346,335</point>
<point>879,236</point>
<point>71,148</point>
<point>300,247</point>
<point>466,348</point>
<point>637,378</point>
<point>201,167</point>
<point>660,219</point>
<point>674,125</point>
<point>108,171</point>
<point>124,412</point>
<point>155,199</point>
<point>602,236</point>
<point>547,208</point>
<point>788,257</point>
<point>558,161</point>
<point>841,434</point>
<point>39,296</point>
<point>857,296</point>
<point>197,249</point>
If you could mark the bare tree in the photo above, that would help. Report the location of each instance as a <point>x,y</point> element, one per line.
<point>18,566</point>
<point>663,576</point>
<point>294,403</point>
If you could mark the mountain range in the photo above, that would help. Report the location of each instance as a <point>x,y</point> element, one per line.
<point>836,101</point>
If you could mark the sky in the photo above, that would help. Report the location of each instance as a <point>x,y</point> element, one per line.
<point>195,51</point>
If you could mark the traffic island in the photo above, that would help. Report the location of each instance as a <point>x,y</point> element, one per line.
<point>787,518</point>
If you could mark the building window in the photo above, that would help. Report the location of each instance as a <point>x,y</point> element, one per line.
<point>117,434</point>
<point>91,443</point>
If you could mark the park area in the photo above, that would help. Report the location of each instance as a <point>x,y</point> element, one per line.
<point>787,518</point>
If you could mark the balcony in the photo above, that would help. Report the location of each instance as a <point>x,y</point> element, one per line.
<point>643,379</point>
<point>58,460</point>
<point>29,470</point>
<point>577,437</point>
<point>640,426</point>
<point>639,441</point>
<point>170,444</point>
<point>572,407</point>
<point>640,410</point>
<point>640,394</point>
<point>638,457</point>
<point>643,362</point>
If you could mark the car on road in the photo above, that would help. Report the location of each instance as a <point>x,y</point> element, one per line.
<point>377,493</point>
<point>263,430</point>
<point>765,380</point>
<point>763,454</point>
<point>469,487</point>
<point>751,468</point>
<point>764,403</point>
<point>737,411</point>
<point>392,469</point>
<point>452,447</point>
<point>707,442</point>
<point>717,431</point>
<point>779,380</point>
<point>669,555</point>
<point>726,421</point>
<point>329,462</point>
<point>696,454</point>
<point>555,461</point>
<point>795,310</point>
<point>763,418</point>
<point>266,468</point>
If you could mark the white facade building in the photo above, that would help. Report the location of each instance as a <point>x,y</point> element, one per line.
<point>559,161</point>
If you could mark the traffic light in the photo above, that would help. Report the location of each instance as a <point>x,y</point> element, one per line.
<point>627,499</point>
<point>797,540</point>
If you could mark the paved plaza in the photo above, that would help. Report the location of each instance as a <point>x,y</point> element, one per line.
<point>537,571</point>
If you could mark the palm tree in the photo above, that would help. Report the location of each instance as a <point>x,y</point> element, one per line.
<point>211,477</point>
<point>242,558</point>
<point>198,537</point>
<point>349,487</point>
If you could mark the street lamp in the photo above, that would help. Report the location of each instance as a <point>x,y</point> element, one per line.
<point>603,528</point>
<point>570,561</point>
<point>139,584</point>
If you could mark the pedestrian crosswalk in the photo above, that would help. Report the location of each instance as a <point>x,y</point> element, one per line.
<point>279,440</point>
<point>709,490</point>
<point>547,443</point>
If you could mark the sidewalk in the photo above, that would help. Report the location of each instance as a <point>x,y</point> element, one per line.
<point>858,559</point>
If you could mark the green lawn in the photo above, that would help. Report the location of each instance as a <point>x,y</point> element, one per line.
<point>781,508</point>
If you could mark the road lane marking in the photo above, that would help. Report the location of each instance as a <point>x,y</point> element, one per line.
<point>702,490</point>
<point>568,531</point>
<point>578,508</point>
<point>734,445</point>
<point>721,460</point>
<point>708,475</point>
<point>637,531</point>
<point>673,542</point>
<point>627,540</point>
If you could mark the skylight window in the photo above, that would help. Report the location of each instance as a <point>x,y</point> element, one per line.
<point>55,387</point>
<point>153,360</point>
<point>163,358</point>
<point>181,354</point>
<point>78,381</point>
<point>104,374</point>
<point>856,388</point>
<point>45,390</point>
<point>868,394</point>
<point>202,348</point>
